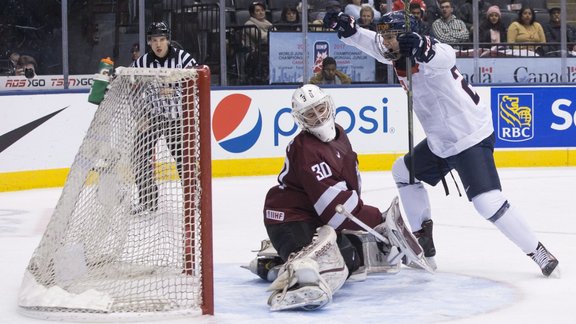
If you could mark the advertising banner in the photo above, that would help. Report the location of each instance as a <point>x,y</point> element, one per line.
<point>287,57</point>
<point>258,123</point>
<point>45,82</point>
<point>254,124</point>
<point>534,117</point>
<point>523,70</point>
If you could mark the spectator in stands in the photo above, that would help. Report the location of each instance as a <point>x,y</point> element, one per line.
<point>26,66</point>
<point>418,13</point>
<point>257,59</point>
<point>289,19</point>
<point>318,22</point>
<point>432,11</point>
<point>13,59</point>
<point>333,5</point>
<point>353,9</point>
<point>135,52</point>
<point>320,6</point>
<point>449,29</point>
<point>258,18</point>
<point>399,4</point>
<point>552,33</point>
<point>526,30</point>
<point>381,5</point>
<point>466,12</point>
<point>318,16</point>
<point>367,17</point>
<point>491,29</point>
<point>329,74</point>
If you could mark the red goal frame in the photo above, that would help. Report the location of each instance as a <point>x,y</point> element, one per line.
<point>206,247</point>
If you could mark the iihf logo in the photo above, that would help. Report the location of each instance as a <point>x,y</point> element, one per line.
<point>515,117</point>
<point>235,126</point>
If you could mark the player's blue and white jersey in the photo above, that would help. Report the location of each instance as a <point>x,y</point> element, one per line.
<point>449,109</point>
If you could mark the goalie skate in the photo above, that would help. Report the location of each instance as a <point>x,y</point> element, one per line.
<point>267,262</point>
<point>399,235</point>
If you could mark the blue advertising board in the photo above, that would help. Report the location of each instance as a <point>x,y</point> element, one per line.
<point>534,117</point>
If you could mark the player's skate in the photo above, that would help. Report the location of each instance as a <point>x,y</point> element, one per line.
<point>399,235</point>
<point>546,261</point>
<point>267,262</point>
<point>311,276</point>
<point>426,241</point>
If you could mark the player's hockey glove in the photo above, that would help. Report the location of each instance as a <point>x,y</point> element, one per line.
<point>343,24</point>
<point>415,46</point>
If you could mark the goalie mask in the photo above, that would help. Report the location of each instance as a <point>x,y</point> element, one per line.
<point>390,25</point>
<point>314,111</point>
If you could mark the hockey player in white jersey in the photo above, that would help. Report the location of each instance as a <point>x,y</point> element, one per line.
<point>458,128</point>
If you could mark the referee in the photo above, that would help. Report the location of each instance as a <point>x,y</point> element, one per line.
<point>161,115</point>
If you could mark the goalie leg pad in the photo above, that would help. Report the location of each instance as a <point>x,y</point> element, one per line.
<point>319,265</point>
<point>376,256</point>
<point>395,229</point>
<point>305,287</point>
<point>305,297</point>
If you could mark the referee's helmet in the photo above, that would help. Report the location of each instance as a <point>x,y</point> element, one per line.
<point>159,28</point>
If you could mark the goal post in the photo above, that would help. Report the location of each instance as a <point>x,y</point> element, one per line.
<point>131,235</point>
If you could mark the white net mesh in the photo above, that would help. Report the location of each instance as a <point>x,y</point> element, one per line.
<point>125,236</point>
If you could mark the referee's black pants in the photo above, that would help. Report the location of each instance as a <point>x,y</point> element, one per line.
<point>144,149</point>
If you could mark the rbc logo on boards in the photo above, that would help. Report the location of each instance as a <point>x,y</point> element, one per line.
<point>515,117</point>
<point>235,126</point>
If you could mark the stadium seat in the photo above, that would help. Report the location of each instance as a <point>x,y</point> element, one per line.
<point>243,4</point>
<point>242,16</point>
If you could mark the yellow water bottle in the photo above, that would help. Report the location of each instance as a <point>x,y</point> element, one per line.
<point>100,81</point>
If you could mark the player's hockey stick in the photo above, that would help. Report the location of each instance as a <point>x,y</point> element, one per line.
<point>397,237</point>
<point>409,97</point>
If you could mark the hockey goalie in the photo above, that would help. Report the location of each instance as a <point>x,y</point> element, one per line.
<point>313,248</point>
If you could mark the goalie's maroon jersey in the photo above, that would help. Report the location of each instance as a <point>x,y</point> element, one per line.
<point>315,178</point>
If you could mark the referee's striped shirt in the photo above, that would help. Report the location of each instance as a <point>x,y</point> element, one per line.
<point>176,59</point>
<point>170,108</point>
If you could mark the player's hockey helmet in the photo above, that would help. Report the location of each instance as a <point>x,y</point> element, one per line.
<point>314,111</point>
<point>391,24</point>
<point>159,28</point>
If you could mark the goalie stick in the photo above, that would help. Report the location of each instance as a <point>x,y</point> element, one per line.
<point>398,235</point>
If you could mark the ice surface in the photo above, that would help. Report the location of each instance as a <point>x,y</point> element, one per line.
<point>482,277</point>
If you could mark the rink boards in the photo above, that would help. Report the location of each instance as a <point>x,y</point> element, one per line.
<point>40,133</point>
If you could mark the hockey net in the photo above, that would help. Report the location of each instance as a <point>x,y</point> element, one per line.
<point>130,236</point>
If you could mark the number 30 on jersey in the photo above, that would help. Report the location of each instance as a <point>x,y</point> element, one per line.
<point>322,170</point>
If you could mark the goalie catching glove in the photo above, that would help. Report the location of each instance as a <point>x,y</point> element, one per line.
<point>343,24</point>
